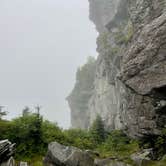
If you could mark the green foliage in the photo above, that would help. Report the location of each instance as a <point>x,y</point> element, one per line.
<point>123,37</point>
<point>26,132</point>
<point>120,38</point>
<point>130,32</point>
<point>51,132</point>
<point>4,129</point>
<point>160,143</point>
<point>103,40</point>
<point>97,131</point>
<point>32,135</point>
<point>79,138</point>
<point>118,144</point>
<point>156,163</point>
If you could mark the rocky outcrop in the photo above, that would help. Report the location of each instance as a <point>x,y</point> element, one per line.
<point>144,69</point>
<point>79,97</point>
<point>60,155</point>
<point>130,80</point>
<point>110,162</point>
<point>143,158</point>
<point>6,152</point>
<point>115,30</point>
<point>22,163</point>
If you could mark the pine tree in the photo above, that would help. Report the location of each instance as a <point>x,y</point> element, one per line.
<point>97,130</point>
<point>2,113</point>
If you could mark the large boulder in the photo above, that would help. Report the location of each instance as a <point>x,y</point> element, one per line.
<point>59,155</point>
<point>22,163</point>
<point>110,162</point>
<point>80,158</point>
<point>9,162</point>
<point>6,152</point>
<point>142,158</point>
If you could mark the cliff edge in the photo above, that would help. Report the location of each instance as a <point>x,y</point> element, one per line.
<point>130,78</point>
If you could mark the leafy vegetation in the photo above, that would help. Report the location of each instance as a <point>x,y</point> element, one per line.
<point>118,144</point>
<point>123,37</point>
<point>32,135</point>
<point>157,142</point>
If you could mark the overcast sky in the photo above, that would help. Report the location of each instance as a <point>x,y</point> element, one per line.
<point>42,42</point>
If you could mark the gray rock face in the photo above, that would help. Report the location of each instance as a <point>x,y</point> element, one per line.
<point>107,98</point>
<point>80,158</point>
<point>109,162</point>
<point>79,97</point>
<point>130,80</point>
<point>59,155</point>
<point>23,163</point>
<point>101,12</point>
<point>9,162</point>
<point>6,152</point>
<point>144,69</point>
<point>142,158</point>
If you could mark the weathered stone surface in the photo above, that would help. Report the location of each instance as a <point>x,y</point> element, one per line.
<point>9,162</point>
<point>143,69</point>
<point>130,80</point>
<point>22,163</point>
<point>108,94</point>
<point>102,11</point>
<point>142,158</point>
<point>80,158</point>
<point>144,66</point>
<point>6,152</point>
<point>109,162</point>
<point>79,97</point>
<point>60,155</point>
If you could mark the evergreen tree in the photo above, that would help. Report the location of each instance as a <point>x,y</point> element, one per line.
<point>97,130</point>
<point>2,113</point>
<point>26,111</point>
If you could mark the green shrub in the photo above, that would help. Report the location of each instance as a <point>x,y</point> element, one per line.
<point>118,144</point>
<point>32,135</point>
<point>79,138</point>
<point>160,144</point>
<point>4,129</point>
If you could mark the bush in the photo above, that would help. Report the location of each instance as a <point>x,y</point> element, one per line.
<point>26,132</point>
<point>51,132</point>
<point>4,129</point>
<point>32,135</point>
<point>160,144</point>
<point>79,138</point>
<point>118,144</point>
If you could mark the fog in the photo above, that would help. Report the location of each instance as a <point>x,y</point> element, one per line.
<point>42,42</point>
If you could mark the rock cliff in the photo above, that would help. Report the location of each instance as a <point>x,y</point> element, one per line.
<point>130,79</point>
<point>79,98</point>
